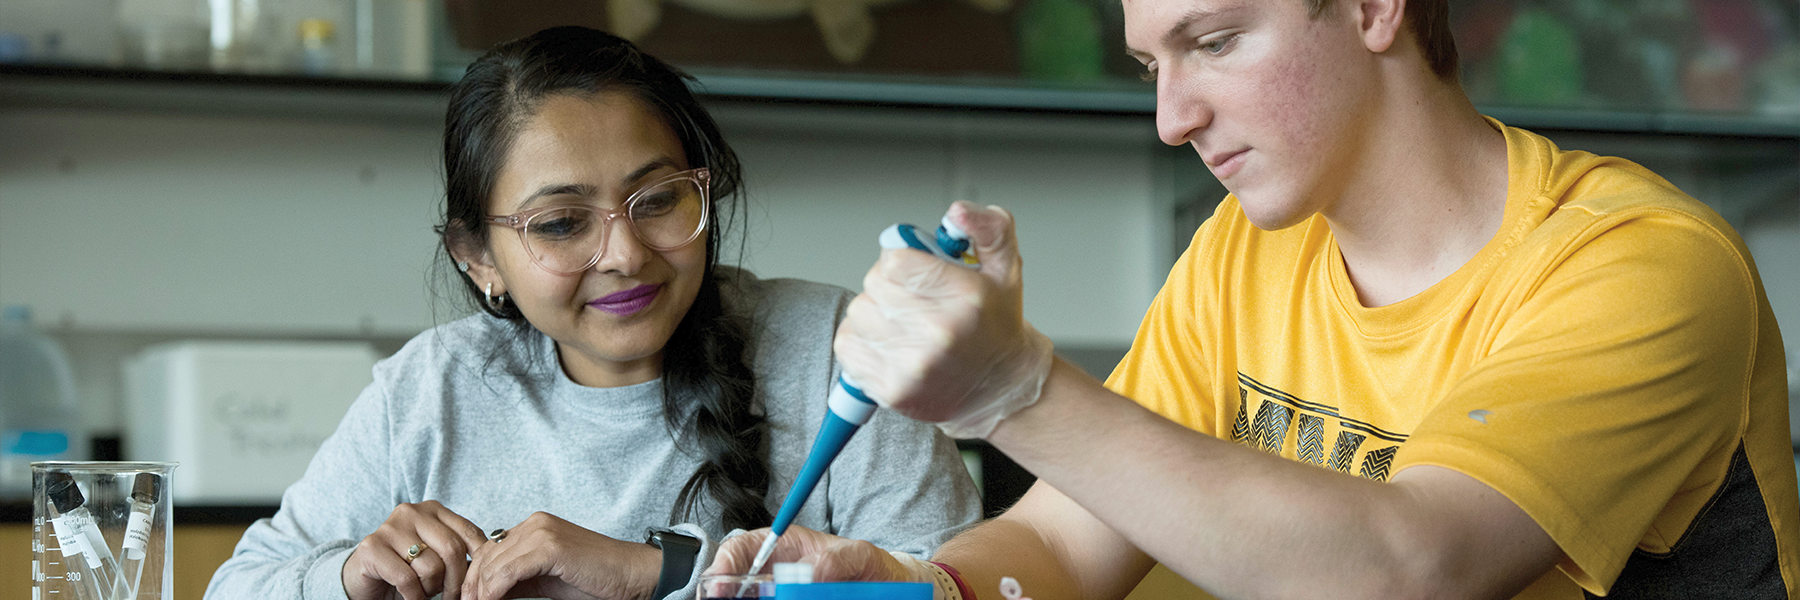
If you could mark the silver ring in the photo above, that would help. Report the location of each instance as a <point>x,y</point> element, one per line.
<point>497,535</point>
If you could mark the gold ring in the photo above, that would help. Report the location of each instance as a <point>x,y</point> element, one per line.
<point>414,552</point>
<point>497,535</point>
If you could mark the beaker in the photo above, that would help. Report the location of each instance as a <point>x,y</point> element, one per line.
<point>736,586</point>
<point>101,530</point>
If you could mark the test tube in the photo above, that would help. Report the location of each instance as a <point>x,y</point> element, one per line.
<point>84,567</point>
<point>144,489</point>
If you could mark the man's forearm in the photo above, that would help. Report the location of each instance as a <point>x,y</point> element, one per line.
<point>1052,546</point>
<point>1238,520</point>
<point>1003,548</point>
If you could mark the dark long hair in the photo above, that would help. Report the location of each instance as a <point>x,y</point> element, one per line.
<point>708,385</point>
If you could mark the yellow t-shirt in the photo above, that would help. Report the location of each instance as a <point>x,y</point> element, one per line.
<point>1608,361</point>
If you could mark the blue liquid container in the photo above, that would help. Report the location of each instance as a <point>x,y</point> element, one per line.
<point>40,418</point>
<point>854,590</point>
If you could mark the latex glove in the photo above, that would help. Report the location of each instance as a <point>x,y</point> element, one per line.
<point>378,567</point>
<point>945,344</point>
<point>547,557</point>
<point>833,558</point>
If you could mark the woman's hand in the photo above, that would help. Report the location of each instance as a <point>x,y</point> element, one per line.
<point>833,558</point>
<point>551,558</point>
<point>380,568</point>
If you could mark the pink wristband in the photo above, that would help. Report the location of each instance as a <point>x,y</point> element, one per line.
<point>961,586</point>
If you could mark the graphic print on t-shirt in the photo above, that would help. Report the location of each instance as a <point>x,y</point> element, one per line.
<point>1368,448</point>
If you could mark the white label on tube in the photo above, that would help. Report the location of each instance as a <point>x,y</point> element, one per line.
<point>96,543</point>
<point>137,535</point>
<point>72,541</point>
<point>65,538</point>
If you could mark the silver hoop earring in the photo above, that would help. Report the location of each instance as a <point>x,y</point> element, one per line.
<point>493,302</point>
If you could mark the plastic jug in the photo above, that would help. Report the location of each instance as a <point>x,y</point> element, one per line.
<point>40,418</point>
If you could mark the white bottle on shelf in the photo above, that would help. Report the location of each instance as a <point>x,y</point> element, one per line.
<point>318,47</point>
<point>40,418</point>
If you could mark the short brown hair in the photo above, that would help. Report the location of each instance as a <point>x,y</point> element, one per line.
<point>1430,22</point>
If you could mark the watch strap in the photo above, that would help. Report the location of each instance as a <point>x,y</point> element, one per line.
<point>679,551</point>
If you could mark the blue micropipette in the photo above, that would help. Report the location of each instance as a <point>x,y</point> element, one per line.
<point>849,406</point>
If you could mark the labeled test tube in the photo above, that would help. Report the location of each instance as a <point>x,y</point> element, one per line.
<point>145,488</point>
<point>88,564</point>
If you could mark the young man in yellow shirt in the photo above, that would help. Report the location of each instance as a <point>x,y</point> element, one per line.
<point>1415,354</point>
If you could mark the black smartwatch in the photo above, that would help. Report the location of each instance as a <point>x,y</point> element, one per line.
<point>678,554</point>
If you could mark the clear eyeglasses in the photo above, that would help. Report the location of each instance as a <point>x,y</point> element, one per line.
<point>569,238</point>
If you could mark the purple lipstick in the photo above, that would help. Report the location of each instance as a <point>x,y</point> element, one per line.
<point>629,301</point>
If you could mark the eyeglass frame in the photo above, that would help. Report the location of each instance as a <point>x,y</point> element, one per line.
<point>521,220</point>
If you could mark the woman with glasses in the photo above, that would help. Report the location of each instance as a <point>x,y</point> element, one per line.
<point>618,386</point>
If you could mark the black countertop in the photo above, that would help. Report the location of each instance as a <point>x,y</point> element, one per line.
<point>1003,482</point>
<point>20,513</point>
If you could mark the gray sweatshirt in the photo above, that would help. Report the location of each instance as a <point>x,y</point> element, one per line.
<point>477,415</point>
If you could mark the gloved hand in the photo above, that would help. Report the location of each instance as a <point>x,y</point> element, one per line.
<point>833,558</point>
<point>942,343</point>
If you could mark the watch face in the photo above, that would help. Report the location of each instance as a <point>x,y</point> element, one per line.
<point>663,539</point>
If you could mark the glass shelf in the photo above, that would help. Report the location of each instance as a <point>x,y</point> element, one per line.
<point>67,86</point>
<point>962,93</point>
